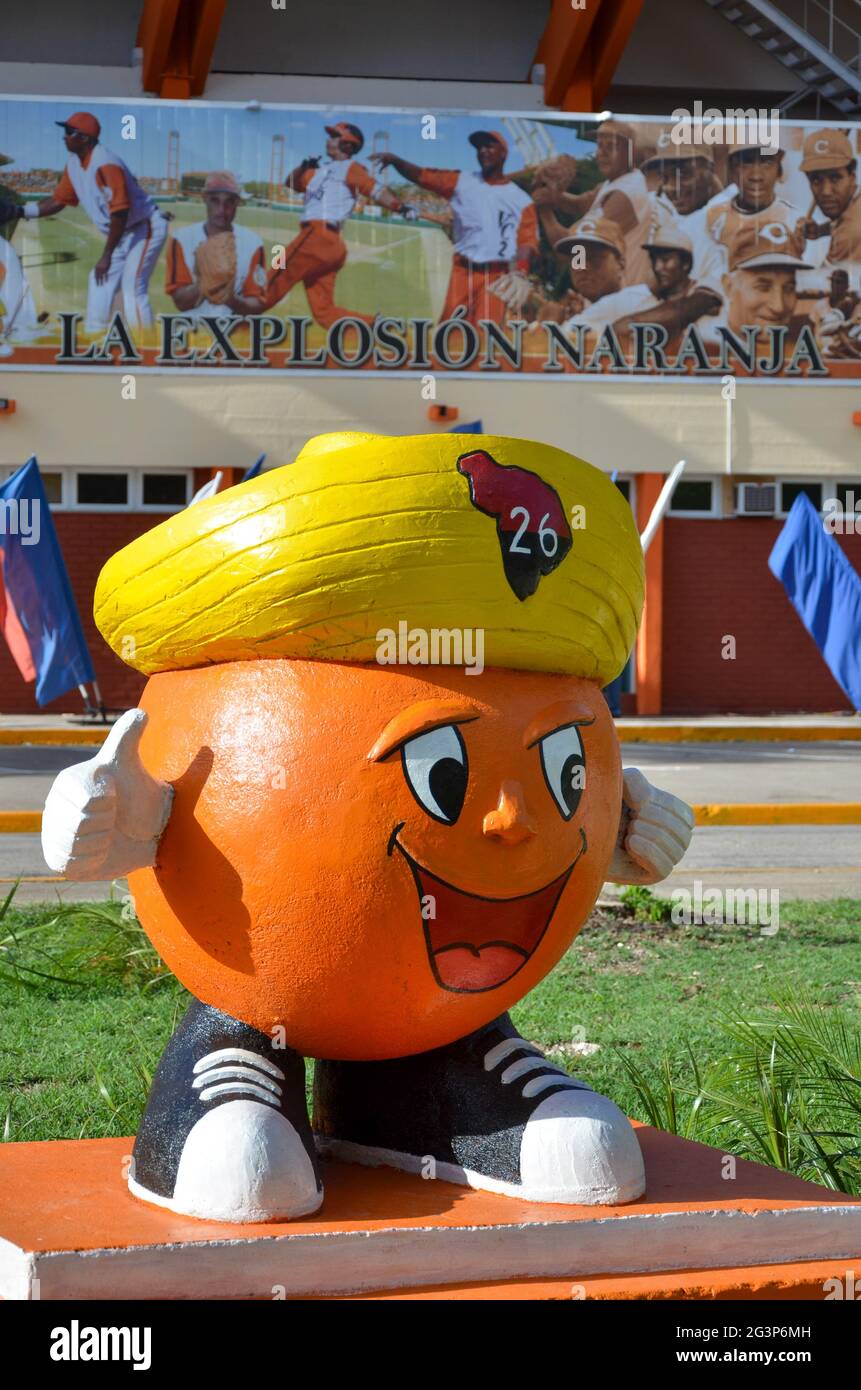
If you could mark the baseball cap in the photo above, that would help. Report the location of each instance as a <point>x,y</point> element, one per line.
<point>769,244</point>
<point>347,131</point>
<point>484,137</point>
<point>744,146</point>
<point>594,231</point>
<point>614,127</point>
<point>670,153</point>
<point>222,181</point>
<point>84,122</point>
<point>826,149</point>
<point>667,235</point>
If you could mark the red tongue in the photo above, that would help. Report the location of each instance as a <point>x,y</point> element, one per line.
<point>478,943</point>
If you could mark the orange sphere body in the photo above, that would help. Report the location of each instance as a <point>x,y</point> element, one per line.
<point>314,874</point>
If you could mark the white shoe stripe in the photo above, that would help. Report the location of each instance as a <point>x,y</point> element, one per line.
<point>237,1073</point>
<point>238,1054</point>
<point>239,1088</point>
<point>543,1083</point>
<point>524,1065</point>
<point>505,1049</point>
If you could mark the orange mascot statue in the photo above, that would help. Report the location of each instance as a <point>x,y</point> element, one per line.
<point>369,798</point>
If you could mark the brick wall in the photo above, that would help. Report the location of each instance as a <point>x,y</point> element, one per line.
<point>717,581</point>
<point>87,540</point>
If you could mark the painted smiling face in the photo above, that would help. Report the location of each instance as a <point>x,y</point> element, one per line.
<point>376,860</point>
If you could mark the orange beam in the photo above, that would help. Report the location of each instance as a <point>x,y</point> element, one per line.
<point>650,638</point>
<point>178,39</point>
<point>581,49</point>
<point>609,41</point>
<point>562,45</point>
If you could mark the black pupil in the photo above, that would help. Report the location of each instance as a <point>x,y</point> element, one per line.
<point>448,786</point>
<point>572,781</point>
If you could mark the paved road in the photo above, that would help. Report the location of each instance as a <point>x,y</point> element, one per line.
<point>802,861</point>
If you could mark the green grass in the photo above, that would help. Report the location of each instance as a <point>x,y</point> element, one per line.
<point>392,266</point>
<point>87,1009</point>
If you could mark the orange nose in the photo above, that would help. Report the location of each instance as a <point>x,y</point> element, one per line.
<point>511,821</point>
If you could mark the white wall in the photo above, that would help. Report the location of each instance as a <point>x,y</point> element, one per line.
<point>224,421</point>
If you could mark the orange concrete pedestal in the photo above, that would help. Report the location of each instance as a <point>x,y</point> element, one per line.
<point>69,1229</point>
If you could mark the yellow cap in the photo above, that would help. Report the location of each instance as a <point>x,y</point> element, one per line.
<point>362,532</point>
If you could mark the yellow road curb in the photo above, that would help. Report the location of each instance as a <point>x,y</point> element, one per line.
<point>737,733</point>
<point>75,738</point>
<point>20,822</point>
<point>720,813</point>
<point>779,813</point>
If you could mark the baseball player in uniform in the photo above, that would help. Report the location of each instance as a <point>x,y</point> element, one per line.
<point>829,162</point>
<point>217,266</point>
<point>18,317</point>
<point>133,226</point>
<point>676,300</point>
<point>623,197</point>
<point>760,287</point>
<point>330,190</point>
<point>495,229</point>
<point>689,189</point>
<point>756,173</point>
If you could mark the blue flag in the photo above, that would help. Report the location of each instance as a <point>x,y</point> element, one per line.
<point>38,591</point>
<point>254,469</point>
<point>824,590</point>
<point>474,427</point>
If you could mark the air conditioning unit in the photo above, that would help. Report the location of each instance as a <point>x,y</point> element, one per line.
<point>756,499</point>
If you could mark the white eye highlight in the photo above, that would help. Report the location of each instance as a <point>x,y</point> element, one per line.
<point>564,766</point>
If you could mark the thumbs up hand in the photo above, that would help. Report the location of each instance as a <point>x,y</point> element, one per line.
<point>105,817</point>
<point>654,832</point>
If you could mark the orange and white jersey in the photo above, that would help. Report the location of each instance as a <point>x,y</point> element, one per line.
<point>102,184</point>
<point>250,281</point>
<point>638,268</point>
<point>331,191</point>
<point>17,310</point>
<point>492,221</point>
<point>725,220</point>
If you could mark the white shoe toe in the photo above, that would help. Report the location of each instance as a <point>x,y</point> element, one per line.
<point>578,1147</point>
<point>244,1161</point>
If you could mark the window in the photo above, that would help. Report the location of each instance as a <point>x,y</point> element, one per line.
<point>694,497</point>
<point>849,497</point>
<point>102,489</point>
<point>789,492</point>
<point>53,484</point>
<point>165,489</point>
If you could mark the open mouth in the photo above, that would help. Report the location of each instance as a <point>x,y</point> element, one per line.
<point>477,943</point>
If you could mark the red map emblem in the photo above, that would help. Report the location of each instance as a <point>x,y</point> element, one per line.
<point>534,535</point>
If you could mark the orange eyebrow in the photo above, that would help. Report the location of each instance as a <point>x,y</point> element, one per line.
<point>558,716</point>
<point>420,719</point>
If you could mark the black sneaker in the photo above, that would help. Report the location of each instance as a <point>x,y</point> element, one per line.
<point>225,1133</point>
<point>488,1111</point>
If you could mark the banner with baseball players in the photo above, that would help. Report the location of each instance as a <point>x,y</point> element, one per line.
<point>212,237</point>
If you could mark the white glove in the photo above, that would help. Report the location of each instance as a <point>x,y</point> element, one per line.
<point>104,817</point>
<point>513,289</point>
<point>654,832</point>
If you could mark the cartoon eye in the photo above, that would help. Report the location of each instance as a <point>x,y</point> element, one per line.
<point>564,766</point>
<point>435,767</point>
